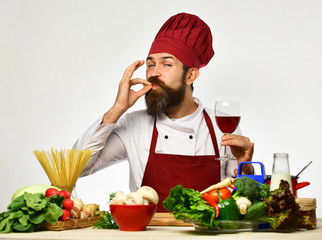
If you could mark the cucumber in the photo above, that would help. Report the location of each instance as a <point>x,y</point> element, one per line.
<point>256,210</point>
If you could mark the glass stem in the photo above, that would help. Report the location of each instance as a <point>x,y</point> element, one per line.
<point>225,152</point>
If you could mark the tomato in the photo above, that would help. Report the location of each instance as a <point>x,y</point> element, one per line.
<point>51,192</point>
<point>65,215</point>
<point>68,204</point>
<point>224,194</point>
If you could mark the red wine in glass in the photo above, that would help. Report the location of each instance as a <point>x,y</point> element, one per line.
<point>227,124</point>
<point>227,115</point>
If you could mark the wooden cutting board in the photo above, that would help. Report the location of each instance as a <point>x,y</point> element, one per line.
<point>159,219</point>
<point>71,224</point>
<point>167,219</point>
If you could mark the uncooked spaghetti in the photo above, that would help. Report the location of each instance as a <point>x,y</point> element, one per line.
<point>64,167</point>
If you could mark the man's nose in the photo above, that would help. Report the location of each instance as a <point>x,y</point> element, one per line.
<point>156,72</point>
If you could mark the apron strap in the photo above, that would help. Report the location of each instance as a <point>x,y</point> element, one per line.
<point>154,137</point>
<point>212,133</point>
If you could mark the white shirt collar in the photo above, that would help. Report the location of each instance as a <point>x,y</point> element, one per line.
<point>185,123</point>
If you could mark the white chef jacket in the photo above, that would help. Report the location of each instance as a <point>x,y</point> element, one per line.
<point>130,139</point>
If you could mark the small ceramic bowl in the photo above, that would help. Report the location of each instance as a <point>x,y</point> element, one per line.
<point>132,217</point>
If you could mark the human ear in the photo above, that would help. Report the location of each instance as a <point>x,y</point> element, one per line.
<point>192,75</point>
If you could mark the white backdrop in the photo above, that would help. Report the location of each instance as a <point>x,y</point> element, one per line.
<point>61,62</point>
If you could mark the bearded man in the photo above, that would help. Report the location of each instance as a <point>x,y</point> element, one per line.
<point>175,140</point>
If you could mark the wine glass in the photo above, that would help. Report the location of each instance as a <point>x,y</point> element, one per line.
<point>227,115</point>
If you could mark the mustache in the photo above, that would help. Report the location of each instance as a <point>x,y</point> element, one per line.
<point>157,81</point>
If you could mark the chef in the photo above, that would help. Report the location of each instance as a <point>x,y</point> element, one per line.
<point>175,139</point>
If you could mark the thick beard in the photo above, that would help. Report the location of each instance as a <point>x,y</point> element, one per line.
<point>160,100</point>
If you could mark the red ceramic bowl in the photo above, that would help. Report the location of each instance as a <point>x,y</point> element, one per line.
<point>132,217</point>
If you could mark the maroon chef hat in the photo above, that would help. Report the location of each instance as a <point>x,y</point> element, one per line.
<point>186,37</point>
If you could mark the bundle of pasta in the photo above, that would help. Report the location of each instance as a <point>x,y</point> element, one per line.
<point>64,167</point>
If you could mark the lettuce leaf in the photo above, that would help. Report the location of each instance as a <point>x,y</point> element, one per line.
<point>185,203</point>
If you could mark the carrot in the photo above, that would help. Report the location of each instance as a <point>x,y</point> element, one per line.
<point>225,183</point>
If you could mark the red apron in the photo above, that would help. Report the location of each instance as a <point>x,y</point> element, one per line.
<point>164,171</point>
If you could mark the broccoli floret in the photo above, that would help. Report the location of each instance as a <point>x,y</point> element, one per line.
<point>247,187</point>
<point>251,189</point>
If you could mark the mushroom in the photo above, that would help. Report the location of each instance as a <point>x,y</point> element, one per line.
<point>243,203</point>
<point>145,202</point>
<point>134,198</point>
<point>148,194</point>
<point>119,198</point>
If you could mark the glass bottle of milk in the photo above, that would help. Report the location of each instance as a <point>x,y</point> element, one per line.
<point>281,170</point>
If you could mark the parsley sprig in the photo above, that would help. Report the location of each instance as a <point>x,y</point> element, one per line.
<point>107,221</point>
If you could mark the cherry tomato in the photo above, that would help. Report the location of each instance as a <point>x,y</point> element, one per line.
<point>224,194</point>
<point>68,204</point>
<point>51,192</point>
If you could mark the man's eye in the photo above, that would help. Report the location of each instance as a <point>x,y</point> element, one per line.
<point>150,65</point>
<point>168,64</point>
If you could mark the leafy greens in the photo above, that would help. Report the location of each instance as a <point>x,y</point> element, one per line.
<point>107,221</point>
<point>26,212</point>
<point>187,203</point>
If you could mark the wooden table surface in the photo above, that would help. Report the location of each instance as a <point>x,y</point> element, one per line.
<point>164,232</point>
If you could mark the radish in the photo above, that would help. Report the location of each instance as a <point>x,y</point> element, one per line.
<point>51,192</point>
<point>65,215</point>
<point>68,204</point>
<point>65,194</point>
